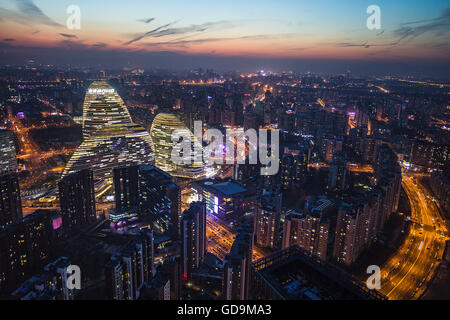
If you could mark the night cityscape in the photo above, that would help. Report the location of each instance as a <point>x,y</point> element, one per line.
<point>233,151</point>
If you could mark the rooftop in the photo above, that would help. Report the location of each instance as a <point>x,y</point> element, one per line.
<point>229,188</point>
<point>226,188</point>
<point>295,274</point>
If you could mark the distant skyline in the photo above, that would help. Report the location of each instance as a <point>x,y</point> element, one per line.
<point>317,36</point>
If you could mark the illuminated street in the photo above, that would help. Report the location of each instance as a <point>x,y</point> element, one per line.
<point>220,240</point>
<point>407,273</point>
<point>31,153</point>
<point>225,151</point>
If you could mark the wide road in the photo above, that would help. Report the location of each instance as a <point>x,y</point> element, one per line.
<point>32,155</point>
<point>406,275</point>
<point>220,240</point>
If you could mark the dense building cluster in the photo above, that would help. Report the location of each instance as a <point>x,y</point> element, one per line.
<point>141,226</point>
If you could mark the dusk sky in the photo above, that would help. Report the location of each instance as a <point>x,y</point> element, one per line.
<point>278,34</point>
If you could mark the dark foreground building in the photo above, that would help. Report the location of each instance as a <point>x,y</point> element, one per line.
<point>193,238</point>
<point>10,203</point>
<point>236,266</point>
<point>77,199</point>
<point>26,247</point>
<point>151,192</point>
<point>295,274</point>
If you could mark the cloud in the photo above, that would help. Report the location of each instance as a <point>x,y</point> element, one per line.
<point>74,44</point>
<point>365,44</point>
<point>70,44</point>
<point>298,48</point>
<point>116,58</point>
<point>27,13</point>
<point>164,30</point>
<point>9,39</point>
<point>350,44</point>
<point>445,15</point>
<point>191,29</point>
<point>185,43</point>
<point>444,44</point>
<point>410,30</point>
<point>379,52</point>
<point>149,33</point>
<point>146,20</point>
<point>99,45</point>
<point>65,35</point>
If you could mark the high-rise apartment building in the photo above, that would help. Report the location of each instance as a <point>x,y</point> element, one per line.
<point>337,176</point>
<point>25,247</point>
<point>193,238</point>
<point>10,201</point>
<point>267,219</point>
<point>126,186</point>
<point>128,270</point>
<point>77,199</point>
<point>309,229</point>
<point>157,289</point>
<point>352,229</point>
<point>8,161</point>
<point>50,284</point>
<point>236,266</point>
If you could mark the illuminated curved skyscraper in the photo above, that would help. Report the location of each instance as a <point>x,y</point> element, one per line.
<point>111,139</point>
<point>161,131</point>
<point>102,106</point>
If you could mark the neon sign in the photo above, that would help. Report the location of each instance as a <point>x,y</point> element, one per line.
<point>101,91</point>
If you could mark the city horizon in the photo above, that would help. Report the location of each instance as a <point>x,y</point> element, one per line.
<point>233,157</point>
<point>412,38</point>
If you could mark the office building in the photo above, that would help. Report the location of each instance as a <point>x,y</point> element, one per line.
<point>225,198</point>
<point>102,107</point>
<point>110,137</point>
<point>192,165</point>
